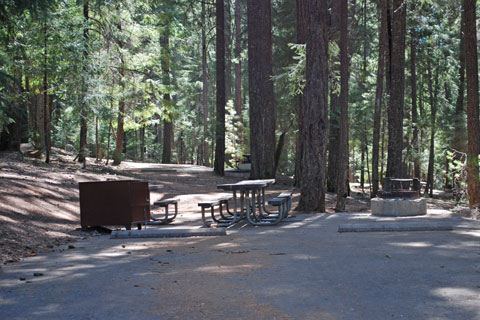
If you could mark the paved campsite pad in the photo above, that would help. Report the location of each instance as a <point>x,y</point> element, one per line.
<point>303,269</point>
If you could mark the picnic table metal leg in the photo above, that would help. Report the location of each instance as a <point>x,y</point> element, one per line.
<point>227,208</point>
<point>204,219</point>
<point>221,211</point>
<point>223,218</point>
<point>263,204</point>
<point>166,214</point>
<point>235,207</point>
<point>270,213</point>
<point>252,216</point>
<point>176,211</point>
<point>212,213</point>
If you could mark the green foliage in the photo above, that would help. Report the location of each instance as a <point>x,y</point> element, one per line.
<point>121,61</point>
<point>294,74</point>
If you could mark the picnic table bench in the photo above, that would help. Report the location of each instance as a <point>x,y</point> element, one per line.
<point>224,220</point>
<point>165,203</point>
<point>252,205</point>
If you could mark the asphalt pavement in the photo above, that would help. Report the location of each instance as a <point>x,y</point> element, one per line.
<point>303,268</point>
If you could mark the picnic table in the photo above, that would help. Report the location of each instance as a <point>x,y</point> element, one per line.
<point>251,203</point>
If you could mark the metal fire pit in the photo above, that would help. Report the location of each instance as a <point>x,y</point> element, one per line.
<point>400,188</point>
<point>399,197</point>
<point>108,203</point>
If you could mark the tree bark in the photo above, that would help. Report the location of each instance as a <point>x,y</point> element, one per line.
<point>119,136</point>
<point>262,102</point>
<point>142,143</point>
<point>238,69</point>
<point>83,104</point>
<point>168,137</point>
<point>460,138</point>
<point>382,36</point>
<point>315,118</point>
<point>342,166</point>
<point>433,110</point>
<point>363,86</point>
<point>228,50</point>
<point>205,155</point>
<point>46,111</point>
<point>117,155</point>
<point>397,97</point>
<point>97,150</point>
<point>301,39</point>
<point>333,141</point>
<point>334,117</point>
<point>219,163</point>
<point>473,122</point>
<point>413,85</point>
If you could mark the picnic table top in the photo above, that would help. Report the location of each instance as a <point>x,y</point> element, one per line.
<point>246,184</point>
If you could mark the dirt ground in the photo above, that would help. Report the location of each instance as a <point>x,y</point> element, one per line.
<point>39,203</point>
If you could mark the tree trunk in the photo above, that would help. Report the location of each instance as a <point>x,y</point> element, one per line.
<point>108,144</point>
<point>238,69</point>
<point>460,139</point>
<point>342,166</point>
<point>433,109</point>
<point>168,140</point>
<point>315,118</point>
<point>228,50</point>
<point>97,150</point>
<point>262,103</point>
<point>333,140</point>
<point>382,149</point>
<point>46,111</point>
<point>363,86</point>
<point>395,114</point>
<point>447,174</point>
<point>334,117</point>
<point>473,122</point>
<point>219,163</point>
<point>382,36</point>
<point>301,39</point>
<point>362,163</point>
<point>205,92</point>
<point>142,143</point>
<point>413,85</point>
<point>119,136</point>
<point>83,104</point>
<point>167,101</point>
<point>279,148</point>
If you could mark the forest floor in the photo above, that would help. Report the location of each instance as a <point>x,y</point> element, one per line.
<point>39,202</point>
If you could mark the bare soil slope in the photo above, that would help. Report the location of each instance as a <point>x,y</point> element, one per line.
<point>39,203</point>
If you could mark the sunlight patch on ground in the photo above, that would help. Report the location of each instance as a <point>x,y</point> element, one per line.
<point>76,267</point>
<point>7,219</point>
<point>461,245</point>
<point>14,209</point>
<point>464,298</point>
<point>419,244</point>
<point>306,220</point>
<point>304,257</point>
<point>437,211</point>
<point>49,308</point>
<point>56,234</point>
<point>228,269</point>
<point>473,233</point>
<point>226,245</point>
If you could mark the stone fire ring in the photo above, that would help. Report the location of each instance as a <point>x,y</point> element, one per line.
<point>399,207</point>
